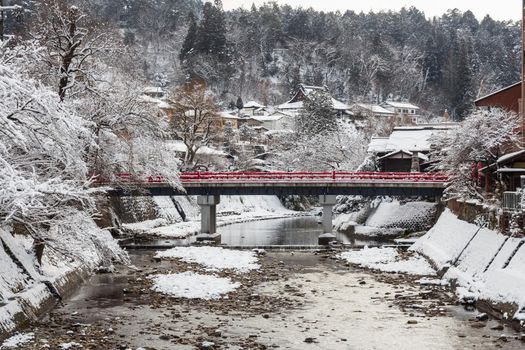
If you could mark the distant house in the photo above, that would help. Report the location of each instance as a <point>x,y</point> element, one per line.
<point>406,112</point>
<point>252,108</point>
<point>398,151</point>
<point>154,92</point>
<point>275,121</point>
<point>296,104</point>
<point>401,108</point>
<point>371,110</point>
<point>227,118</point>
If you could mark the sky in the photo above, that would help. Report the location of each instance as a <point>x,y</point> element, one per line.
<point>500,10</point>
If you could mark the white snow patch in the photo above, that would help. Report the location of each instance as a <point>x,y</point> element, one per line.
<point>388,260</point>
<point>214,258</point>
<point>16,340</point>
<point>65,346</point>
<point>193,286</point>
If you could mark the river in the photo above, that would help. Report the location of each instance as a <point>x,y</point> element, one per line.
<point>298,300</point>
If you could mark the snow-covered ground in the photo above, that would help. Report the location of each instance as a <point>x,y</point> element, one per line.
<point>193,286</point>
<point>485,264</point>
<point>388,260</point>
<point>214,258</point>
<point>231,210</point>
<point>388,218</point>
<point>16,340</point>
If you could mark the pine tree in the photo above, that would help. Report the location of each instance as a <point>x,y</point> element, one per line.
<point>239,104</point>
<point>191,38</point>
<point>211,38</point>
<point>317,115</point>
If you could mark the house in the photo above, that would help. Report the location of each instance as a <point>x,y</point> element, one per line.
<point>401,108</point>
<point>371,110</point>
<point>403,161</point>
<point>226,118</point>
<point>154,92</point>
<point>252,108</point>
<point>406,112</point>
<point>275,121</point>
<point>405,144</point>
<point>508,99</point>
<point>508,169</point>
<point>296,104</point>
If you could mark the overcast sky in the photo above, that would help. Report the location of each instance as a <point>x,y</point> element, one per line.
<point>501,9</point>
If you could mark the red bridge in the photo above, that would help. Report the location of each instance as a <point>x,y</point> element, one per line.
<point>208,186</point>
<point>288,183</point>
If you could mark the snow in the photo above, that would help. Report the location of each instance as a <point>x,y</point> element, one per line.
<point>179,146</point>
<point>510,156</point>
<point>253,104</point>
<point>231,210</point>
<point>373,108</point>
<point>483,263</point>
<point>405,105</point>
<point>388,260</point>
<point>214,258</point>
<point>71,345</point>
<point>16,340</point>
<point>193,286</point>
<point>413,139</point>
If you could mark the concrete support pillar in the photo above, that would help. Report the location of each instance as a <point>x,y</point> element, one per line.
<point>327,202</point>
<point>208,206</point>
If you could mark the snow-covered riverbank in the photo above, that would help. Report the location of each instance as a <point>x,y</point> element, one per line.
<point>483,265</point>
<point>27,288</point>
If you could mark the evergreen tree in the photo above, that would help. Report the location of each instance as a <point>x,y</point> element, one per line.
<point>211,35</point>
<point>191,39</point>
<point>317,115</point>
<point>239,104</point>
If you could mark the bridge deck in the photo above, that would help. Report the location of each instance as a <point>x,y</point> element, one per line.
<point>286,183</point>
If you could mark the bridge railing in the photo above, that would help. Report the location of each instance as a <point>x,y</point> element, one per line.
<point>275,177</point>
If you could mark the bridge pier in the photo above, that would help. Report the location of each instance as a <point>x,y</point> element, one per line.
<point>208,206</point>
<point>327,202</point>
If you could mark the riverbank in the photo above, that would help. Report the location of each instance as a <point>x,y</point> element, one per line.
<point>295,300</point>
<point>29,289</point>
<point>485,266</point>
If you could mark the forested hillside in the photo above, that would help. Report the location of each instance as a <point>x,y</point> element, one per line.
<point>262,53</point>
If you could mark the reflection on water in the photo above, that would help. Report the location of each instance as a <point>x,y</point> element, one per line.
<point>290,231</point>
<point>294,231</point>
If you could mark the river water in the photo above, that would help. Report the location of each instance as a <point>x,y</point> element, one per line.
<point>294,231</point>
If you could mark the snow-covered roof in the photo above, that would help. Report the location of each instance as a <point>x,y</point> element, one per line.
<point>413,139</point>
<point>265,118</point>
<point>401,105</point>
<point>373,108</point>
<point>511,170</point>
<point>179,146</point>
<point>510,156</point>
<point>227,115</point>
<point>420,155</point>
<point>153,90</point>
<point>253,104</point>
<point>338,105</point>
<point>291,105</point>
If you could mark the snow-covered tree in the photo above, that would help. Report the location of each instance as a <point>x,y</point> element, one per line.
<point>44,176</point>
<point>483,136</point>
<point>194,118</point>
<point>317,115</point>
<point>71,41</point>
<point>326,151</point>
